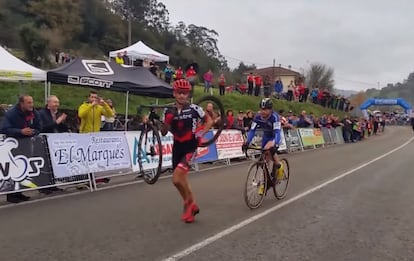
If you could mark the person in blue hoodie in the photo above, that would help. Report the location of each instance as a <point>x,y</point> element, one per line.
<point>278,88</point>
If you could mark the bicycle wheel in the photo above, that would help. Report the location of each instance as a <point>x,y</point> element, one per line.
<point>218,105</point>
<point>256,186</point>
<point>150,154</point>
<point>281,186</point>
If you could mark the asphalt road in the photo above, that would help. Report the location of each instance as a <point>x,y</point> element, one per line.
<point>366,215</point>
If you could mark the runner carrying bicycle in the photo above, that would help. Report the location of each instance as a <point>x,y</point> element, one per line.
<point>182,120</point>
<point>269,122</point>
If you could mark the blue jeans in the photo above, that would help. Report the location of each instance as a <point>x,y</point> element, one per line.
<point>207,86</point>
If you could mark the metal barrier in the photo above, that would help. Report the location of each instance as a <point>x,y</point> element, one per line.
<point>68,159</point>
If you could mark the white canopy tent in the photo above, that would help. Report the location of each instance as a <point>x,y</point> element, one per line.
<point>141,51</point>
<point>12,69</point>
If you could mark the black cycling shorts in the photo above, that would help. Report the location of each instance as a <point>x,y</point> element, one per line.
<point>183,153</point>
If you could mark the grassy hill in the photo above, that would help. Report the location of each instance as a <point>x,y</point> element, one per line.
<point>71,97</point>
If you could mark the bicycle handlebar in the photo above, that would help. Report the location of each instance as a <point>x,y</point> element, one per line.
<point>259,149</point>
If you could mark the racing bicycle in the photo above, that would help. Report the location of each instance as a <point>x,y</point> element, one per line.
<point>259,179</point>
<point>150,149</point>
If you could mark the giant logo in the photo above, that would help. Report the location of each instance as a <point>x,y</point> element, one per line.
<point>97,67</point>
<point>17,167</point>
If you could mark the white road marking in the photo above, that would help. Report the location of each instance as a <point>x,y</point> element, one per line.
<point>252,219</point>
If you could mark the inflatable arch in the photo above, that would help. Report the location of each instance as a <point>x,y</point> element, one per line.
<point>397,101</point>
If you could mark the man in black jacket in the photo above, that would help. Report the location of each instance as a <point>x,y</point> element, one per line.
<point>21,121</point>
<point>52,120</point>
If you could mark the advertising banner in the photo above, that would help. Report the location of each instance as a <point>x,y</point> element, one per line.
<point>229,144</point>
<point>148,161</point>
<point>208,153</point>
<point>24,164</point>
<point>293,140</point>
<point>77,154</point>
<point>311,137</point>
<point>257,140</point>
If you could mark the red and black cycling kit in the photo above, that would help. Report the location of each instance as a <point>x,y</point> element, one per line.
<point>183,127</point>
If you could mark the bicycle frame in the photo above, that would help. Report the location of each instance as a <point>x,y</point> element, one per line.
<point>263,163</point>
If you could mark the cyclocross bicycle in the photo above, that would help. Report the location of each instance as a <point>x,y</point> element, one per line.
<point>150,150</point>
<point>259,180</point>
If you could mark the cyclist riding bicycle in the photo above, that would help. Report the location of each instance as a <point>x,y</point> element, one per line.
<point>182,120</point>
<point>269,122</point>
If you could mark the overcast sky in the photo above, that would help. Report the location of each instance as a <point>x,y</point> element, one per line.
<point>365,41</point>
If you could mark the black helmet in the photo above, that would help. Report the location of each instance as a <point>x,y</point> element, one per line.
<point>266,103</point>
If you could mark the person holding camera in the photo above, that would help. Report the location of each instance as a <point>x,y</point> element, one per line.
<point>90,113</point>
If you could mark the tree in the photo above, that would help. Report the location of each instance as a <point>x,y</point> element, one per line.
<point>237,73</point>
<point>157,16</point>
<point>34,45</point>
<point>358,98</point>
<point>59,19</point>
<point>320,75</point>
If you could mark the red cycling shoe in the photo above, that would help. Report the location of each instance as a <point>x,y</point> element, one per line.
<point>190,210</point>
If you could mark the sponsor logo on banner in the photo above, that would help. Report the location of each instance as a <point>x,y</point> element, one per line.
<point>311,137</point>
<point>89,81</point>
<point>208,153</point>
<point>257,140</point>
<point>229,144</point>
<point>97,67</point>
<point>23,164</point>
<point>148,161</point>
<point>77,154</point>
<point>17,167</point>
<point>15,74</point>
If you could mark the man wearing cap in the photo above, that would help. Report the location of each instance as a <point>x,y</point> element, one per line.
<point>240,121</point>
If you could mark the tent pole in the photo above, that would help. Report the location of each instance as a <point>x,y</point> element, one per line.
<point>20,88</point>
<point>48,89</point>
<point>45,92</point>
<point>126,111</point>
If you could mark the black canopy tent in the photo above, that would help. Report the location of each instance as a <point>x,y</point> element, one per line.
<point>111,76</point>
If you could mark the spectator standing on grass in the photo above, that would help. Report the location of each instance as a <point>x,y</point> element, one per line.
<point>21,121</point>
<point>119,59</point>
<point>230,119</point>
<point>291,90</point>
<point>248,120</point>
<point>191,75</point>
<point>179,73</point>
<point>168,74</point>
<point>278,88</point>
<point>208,79</point>
<point>109,121</point>
<point>222,84</point>
<point>52,122</point>
<point>240,121</point>
<point>250,84</point>
<point>90,113</point>
<point>257,85</point>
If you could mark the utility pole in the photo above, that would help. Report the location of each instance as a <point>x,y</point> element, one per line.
<point>129,23</point>
<point>273,71</point>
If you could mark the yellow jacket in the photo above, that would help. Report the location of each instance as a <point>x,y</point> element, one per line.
<point>90,116</point>
<point>119,60</point>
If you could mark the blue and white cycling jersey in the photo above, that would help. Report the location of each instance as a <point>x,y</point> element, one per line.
<point>271,129</point>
